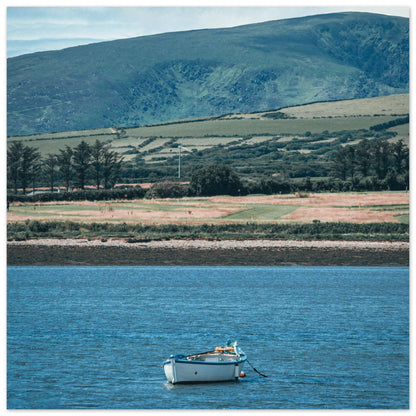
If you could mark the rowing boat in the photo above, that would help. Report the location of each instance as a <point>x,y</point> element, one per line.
<point>221,364</point>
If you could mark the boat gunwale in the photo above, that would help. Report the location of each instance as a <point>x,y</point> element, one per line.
<point>184,360</point>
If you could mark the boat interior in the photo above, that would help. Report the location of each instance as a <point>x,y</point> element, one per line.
<point>213,356</point>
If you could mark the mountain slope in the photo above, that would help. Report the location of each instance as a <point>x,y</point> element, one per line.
<point>198,73</point>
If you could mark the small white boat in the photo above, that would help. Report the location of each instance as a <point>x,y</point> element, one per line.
<point>220,364</point>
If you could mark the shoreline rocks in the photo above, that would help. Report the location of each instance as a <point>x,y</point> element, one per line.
<point>63,252</point>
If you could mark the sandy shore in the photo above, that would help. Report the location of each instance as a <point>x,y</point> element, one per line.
<point>57,252</point>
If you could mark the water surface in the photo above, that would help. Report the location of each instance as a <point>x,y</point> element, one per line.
<point>87,337</point>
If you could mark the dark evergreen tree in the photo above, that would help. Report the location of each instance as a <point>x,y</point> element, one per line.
<point>30,156</point>
<point>82,163</point>
<point>64,159</point>
<point>340,164</point>
<point>111,167</point>
<point>363,159</point>
<point>400,154</point>
<point>97,161</point>
<point>50,164</point>
<point>14,157</point>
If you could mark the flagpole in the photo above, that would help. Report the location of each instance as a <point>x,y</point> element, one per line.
<point>179,167</point>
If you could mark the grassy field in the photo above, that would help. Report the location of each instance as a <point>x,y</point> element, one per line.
<point>244,127</point>
<point>255,145</point>
<point>237,129</point>
<point>382,216</point>
<point>262,212</point>
<point>382,207</point>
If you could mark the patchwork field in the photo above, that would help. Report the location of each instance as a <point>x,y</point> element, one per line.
<point>294,208</point>
<point>160,141</point>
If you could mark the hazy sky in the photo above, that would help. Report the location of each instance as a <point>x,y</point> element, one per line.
<point>31,29</point>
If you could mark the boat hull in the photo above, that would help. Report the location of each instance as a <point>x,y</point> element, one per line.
<point>183,371</point>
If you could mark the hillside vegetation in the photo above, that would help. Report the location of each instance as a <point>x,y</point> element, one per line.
<point>292,142</point>
<point>172,76</point>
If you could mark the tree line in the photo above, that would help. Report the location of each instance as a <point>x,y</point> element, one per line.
<point>366,166</point>
<point>376,160</point>
<point>74,166</point>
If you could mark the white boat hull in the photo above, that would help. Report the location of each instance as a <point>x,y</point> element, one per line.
<point>179,369</point>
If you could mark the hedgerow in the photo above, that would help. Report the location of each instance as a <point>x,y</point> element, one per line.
<point>251,230</point>
<point>85,195</point>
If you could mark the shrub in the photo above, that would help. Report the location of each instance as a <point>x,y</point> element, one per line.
<point>215,180</point>
<point>167,190</point>
<point>140,233</point>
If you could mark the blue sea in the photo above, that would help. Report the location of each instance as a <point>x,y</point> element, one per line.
<point>96,337</point>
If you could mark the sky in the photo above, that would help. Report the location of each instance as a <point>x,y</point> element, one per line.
<point>31,29</point>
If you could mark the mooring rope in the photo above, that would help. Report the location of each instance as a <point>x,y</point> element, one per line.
<point>257,371</point>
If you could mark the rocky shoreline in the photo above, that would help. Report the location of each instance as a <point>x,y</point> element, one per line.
<point>71,252</point>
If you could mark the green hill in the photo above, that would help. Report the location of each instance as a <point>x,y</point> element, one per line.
<point>202,73</point>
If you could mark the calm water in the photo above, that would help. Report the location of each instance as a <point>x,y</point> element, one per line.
<point>86,337</point>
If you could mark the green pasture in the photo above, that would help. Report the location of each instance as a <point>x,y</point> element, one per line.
<point>207,141</point>
<point>403,211</point>
<point>402,132</point>
<point>403,218</point>
<point>64,135</point>
<point>262,212</point>
<point>209,132</point>
<point>54,211</point>
<point>53,146</point>
<point>245,127</point>
<point>258,212</point>
<point>244,211</point>
<point>74,209</point>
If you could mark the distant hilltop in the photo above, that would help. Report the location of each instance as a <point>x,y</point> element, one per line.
<point>179,75</point>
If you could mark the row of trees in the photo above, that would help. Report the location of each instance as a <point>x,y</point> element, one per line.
<point>368,165</point>
<point>218,180</point>
<point>74,166</point>
<point>378,158</point>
